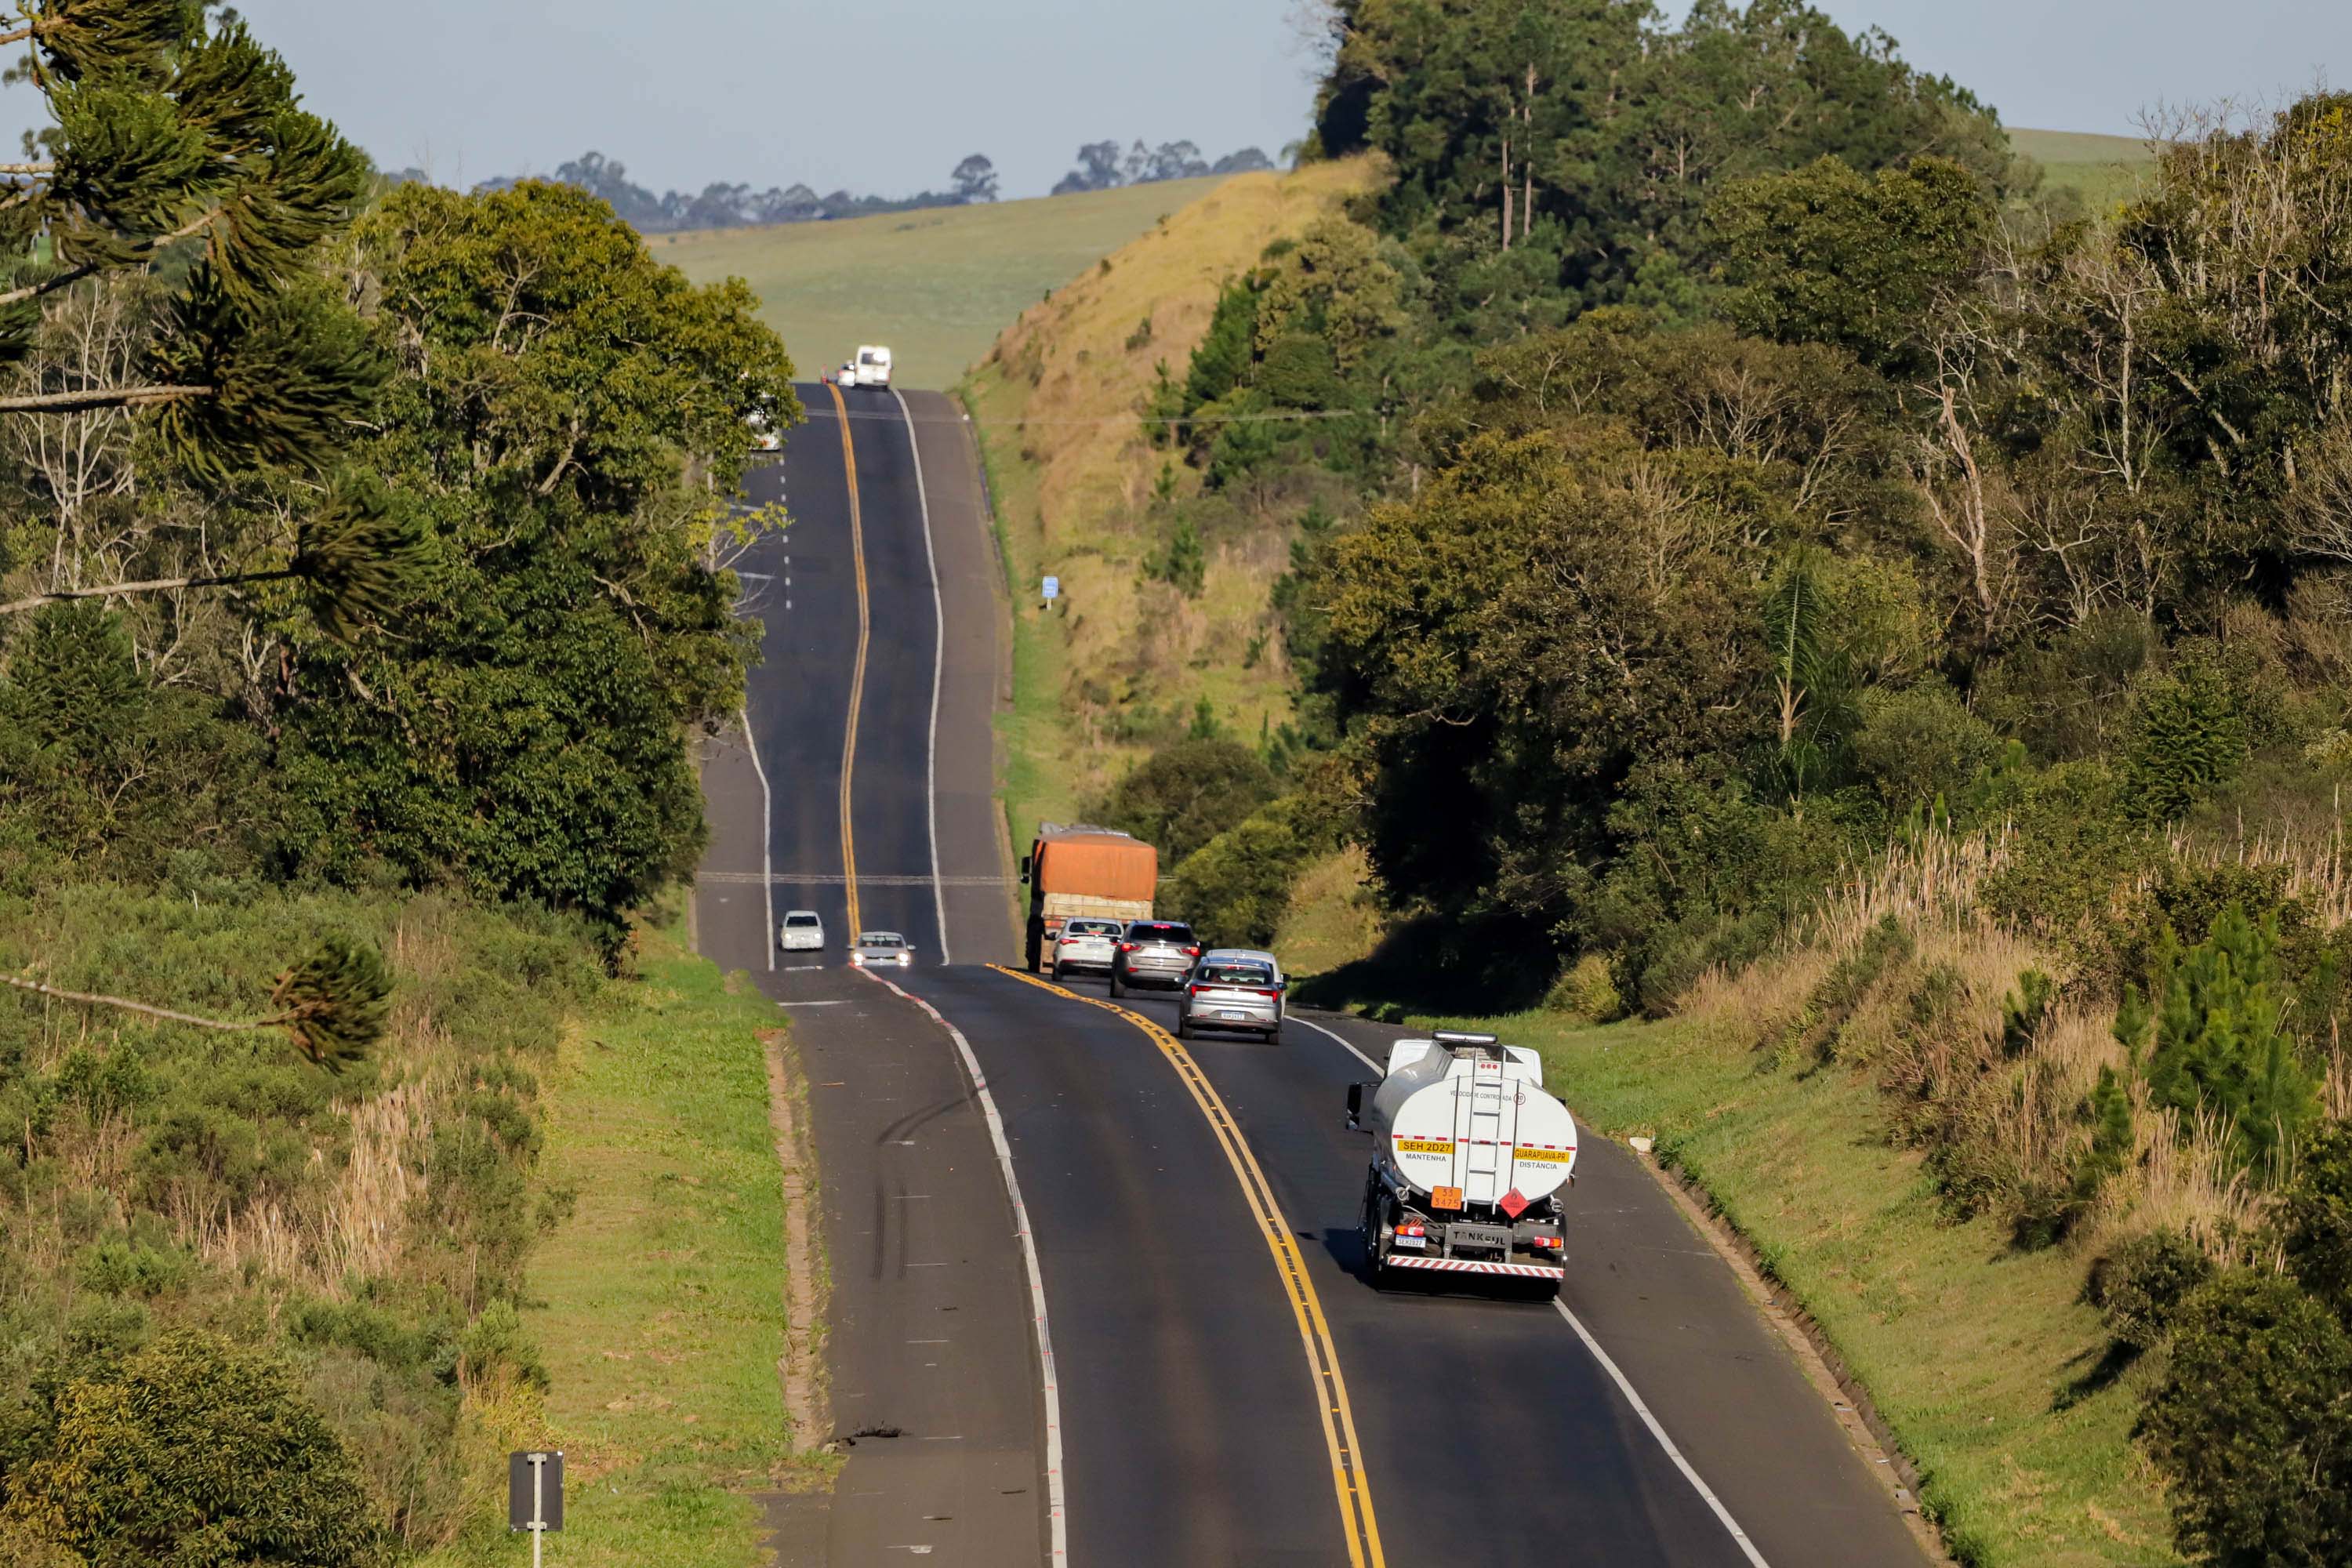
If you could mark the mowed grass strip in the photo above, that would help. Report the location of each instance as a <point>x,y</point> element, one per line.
<point>658,1306</point>
<point>1975,1352</point>
<point>936,285</point>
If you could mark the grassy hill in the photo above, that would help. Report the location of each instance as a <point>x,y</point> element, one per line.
<point>2102,168</point>
<point>1120,661</point>
<point>936,285</point>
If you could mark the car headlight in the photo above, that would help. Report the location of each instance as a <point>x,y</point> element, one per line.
<point>904,959</point>
<point>857,960</point>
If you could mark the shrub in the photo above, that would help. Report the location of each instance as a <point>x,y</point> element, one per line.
<point>2250,1429</point>
<point>1185,795</point>
<point>2314,1219</point>
<point>194,1454</point>
<point>1587,989</point>
<point>2140,1288</point>
<point>2184,740</point>
<point>1235,889</point>
<point>1921,744</point>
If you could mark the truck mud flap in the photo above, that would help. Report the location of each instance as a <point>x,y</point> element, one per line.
<point>1472,1266</point>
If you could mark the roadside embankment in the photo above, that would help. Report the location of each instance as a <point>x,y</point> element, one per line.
<point>660,1304</point>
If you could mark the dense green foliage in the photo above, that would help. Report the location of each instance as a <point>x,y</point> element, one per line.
<point>523,729</point>
<point>359,573</point>
<point>2250,1425</point>
<point>1715,480</point>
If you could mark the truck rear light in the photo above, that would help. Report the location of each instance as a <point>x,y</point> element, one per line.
<point>1544,1240</point>
<point>1412,1230</point>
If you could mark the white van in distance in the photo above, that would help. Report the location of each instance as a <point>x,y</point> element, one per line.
<point>873,365</point>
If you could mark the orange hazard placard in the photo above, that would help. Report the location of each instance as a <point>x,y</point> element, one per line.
<point>1445,1197</point>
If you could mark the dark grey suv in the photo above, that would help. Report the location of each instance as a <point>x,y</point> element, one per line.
<point>1153,953</point>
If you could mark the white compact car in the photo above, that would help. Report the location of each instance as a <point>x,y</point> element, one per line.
<point>848,377</point>
<point>802,931</point>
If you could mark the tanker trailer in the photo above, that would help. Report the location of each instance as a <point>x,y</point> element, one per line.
<point>1469,1157</point>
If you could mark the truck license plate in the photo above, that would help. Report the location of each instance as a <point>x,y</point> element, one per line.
<point>1445,1197</point>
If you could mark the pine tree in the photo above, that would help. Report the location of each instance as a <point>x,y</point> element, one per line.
<point>2222,1041</point>
<point>178,146</point>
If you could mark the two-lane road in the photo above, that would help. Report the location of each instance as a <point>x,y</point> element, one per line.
<point>1223,1388</point>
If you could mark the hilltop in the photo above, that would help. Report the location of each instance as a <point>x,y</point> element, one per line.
<point>936,285</point>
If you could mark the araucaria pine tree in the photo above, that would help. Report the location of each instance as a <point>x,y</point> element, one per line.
<point>179,149</point>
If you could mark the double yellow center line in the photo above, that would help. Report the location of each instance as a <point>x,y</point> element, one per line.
<point>857,669</point>
<point>1348,1478</point>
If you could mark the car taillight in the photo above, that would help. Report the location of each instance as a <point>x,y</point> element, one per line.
<point>1258,993</point>
<point>1127,947</point>
<point>1191,952</point>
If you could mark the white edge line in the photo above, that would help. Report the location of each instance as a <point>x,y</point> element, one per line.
<point>1625,1385</point>
<point>1723,1514</point>
<point>939,662</point>
<point>1057,1524</point>
<point>768,938</point>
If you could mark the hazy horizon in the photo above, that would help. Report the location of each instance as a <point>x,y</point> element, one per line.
<point>886,97</point>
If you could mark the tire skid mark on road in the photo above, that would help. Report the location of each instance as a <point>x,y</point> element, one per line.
<point>1349,1479</point>
<point>1057,1507</point>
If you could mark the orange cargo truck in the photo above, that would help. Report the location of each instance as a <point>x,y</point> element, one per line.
<point>1075,870</point>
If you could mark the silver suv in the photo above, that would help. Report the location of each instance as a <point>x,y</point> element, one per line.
<point>1153,953</point>
<point>1232,988</point>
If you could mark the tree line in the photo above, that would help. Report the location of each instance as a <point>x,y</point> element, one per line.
<point>721,204</point>
<point>1101,166</point>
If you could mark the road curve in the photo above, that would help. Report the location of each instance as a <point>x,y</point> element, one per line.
<point>1194,1428</point>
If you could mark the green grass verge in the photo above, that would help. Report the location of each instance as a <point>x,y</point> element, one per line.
<point>1974,1353</point>
<point>1029,789</point>
<point>936,285</point>
<point>658,1304</point>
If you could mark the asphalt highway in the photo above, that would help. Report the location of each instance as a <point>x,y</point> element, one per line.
<point>1195,1365</point>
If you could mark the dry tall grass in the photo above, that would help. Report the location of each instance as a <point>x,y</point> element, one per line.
<point>1059,401</point>
<point>1901,972</point>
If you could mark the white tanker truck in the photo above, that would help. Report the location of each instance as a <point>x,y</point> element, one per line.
<point>1469,1155</point>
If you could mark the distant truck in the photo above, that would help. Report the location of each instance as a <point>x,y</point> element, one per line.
<point>873,365</point>
<point>1468,1156</point>
<point>1074,870</point>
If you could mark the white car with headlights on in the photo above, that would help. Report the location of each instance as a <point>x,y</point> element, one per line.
<point>802,931</point>
<point>880,949</point>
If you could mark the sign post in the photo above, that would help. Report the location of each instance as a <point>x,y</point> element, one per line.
<point>1052,589</point>
<point>535,1495</point>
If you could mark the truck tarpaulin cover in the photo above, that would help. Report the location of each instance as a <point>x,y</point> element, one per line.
<point>1101,865</point>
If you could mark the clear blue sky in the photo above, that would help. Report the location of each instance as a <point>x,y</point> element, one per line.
<point>886,95</point>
